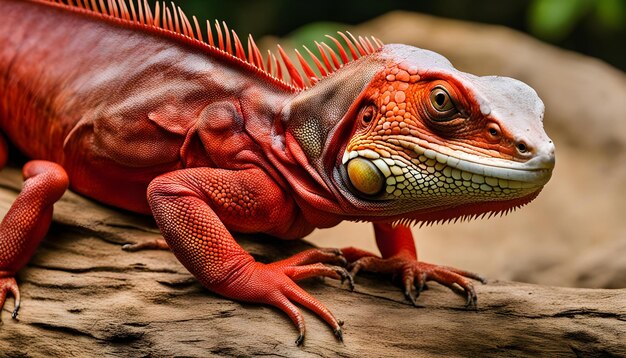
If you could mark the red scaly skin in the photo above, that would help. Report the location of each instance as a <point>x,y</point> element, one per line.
<point>27,221</point>
<point>210,140</point>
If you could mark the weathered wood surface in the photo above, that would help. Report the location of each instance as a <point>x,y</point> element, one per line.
<point>83,296</point>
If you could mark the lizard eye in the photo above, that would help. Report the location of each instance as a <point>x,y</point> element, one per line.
<point>442,107</point>
<point>367,114</point>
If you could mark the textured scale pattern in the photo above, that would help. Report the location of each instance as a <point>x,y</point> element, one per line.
<point>398,145</point>
<point>181,203</point>
<point>27,221</point>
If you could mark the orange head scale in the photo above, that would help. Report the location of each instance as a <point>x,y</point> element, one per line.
<point>401,135</point>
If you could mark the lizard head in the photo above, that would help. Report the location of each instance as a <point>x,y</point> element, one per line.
<point>409,137</point>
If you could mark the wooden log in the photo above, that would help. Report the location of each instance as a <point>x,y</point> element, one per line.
<point>85,297</point>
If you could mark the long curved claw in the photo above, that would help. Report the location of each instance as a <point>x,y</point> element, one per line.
<point>8,284</point>
<point>345,276</point>
<point>320,255</point>
<point>274,284</point>
<point>339,334</point>
<point>300,339</point>
<point>415,274</point>
<point>420,283</point>
<point>408,280</point>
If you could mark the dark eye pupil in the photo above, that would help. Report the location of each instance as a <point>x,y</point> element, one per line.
<point>367,116</point>
<point>440,99</point>
<point>493,132</point>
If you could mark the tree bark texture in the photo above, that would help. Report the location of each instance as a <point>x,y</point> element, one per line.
<point>84,296</point>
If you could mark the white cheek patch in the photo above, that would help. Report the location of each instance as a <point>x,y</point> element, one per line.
<point>430,174</point>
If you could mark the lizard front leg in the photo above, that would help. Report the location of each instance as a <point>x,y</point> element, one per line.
<point>399,256</point>
<point>27,222</point>
<point>193,208</point>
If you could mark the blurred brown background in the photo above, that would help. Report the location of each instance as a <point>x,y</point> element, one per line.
<point>571,52</point>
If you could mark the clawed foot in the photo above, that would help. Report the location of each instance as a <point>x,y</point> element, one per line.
<point>274,284</point>
<point>156,244</point>
<point>414,275</point>
<point>8,284</point>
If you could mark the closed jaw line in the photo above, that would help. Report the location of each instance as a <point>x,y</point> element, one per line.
<point>437,172</point>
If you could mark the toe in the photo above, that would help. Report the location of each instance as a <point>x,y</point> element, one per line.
<point>9,285</point>
<point>282,302</point>
<point>301,297</point>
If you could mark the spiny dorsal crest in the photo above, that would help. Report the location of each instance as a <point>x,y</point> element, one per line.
<point>175,21</point>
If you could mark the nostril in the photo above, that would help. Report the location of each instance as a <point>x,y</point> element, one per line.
<point>522,147</point>
<point>550,149</point>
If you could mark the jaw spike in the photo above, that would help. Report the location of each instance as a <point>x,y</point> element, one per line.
<point>268,65</point>
<point>367,44</point>
<point>175,22</point>
<point>149,17</point>
<point>324,57</point>
<point>157,15</point>
<point>296,79</point>
<point>239,51</point>
<point>175,15</point>
<point>123,9</point>
<point>186,24</point>
<point>257,57</point>
<point>132,9</point>
<point>279,68</point>
<point>139,10</point>
<point>377,41</point>
<point>229,48</point>
<point>102,8</point>
<point>308,71</point>
<point>195,22</point>
<point>342,52</point>
<point>209,33</point>
<point>333,55</point>
<point>355,56</point>
<point>116,12</point>
<point>169,17</point>
<point>317,62</point>
<point>220,39</point>
<point>250,53</point>
<point>357,44</point>
<point>108,9</point>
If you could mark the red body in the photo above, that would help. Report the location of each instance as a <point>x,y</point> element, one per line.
<point>132,110</point>
<point>117,107</point>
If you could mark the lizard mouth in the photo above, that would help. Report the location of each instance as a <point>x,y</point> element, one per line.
<point>443,173</point>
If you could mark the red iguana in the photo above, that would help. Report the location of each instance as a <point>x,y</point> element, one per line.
<point>138,109</point>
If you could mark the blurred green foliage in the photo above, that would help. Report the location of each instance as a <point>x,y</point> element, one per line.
<point>556,19</point>
<point>592,27</point>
